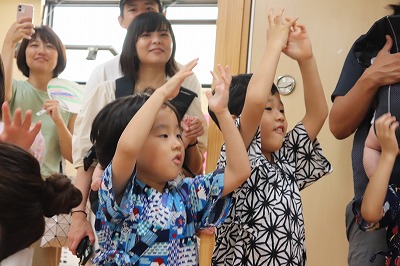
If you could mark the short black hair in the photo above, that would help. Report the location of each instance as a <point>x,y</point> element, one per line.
<point>395,8</point>
<point>123,2</point>
<point>112,120</point>
<point>47,35</point>
<point>237,95</point>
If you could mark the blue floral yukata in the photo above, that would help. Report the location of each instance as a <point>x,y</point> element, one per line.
<point>266,225</point>
<point>390,220</point>
<point>153,228</point>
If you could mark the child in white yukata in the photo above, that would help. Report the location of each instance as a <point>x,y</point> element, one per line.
<point>144,216</point>
<point>265,225</point>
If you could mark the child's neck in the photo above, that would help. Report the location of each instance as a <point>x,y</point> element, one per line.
<point>268,155</point>
<point>149,182</point>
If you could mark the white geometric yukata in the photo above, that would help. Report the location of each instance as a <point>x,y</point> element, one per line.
<point>152,228</point>
<point>265,225</point>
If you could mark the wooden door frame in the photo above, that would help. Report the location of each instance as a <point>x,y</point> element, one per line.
<point>231,48</point>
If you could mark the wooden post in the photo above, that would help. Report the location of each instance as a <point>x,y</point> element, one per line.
<point>231,49</point>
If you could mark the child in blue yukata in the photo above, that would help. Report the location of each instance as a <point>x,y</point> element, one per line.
<point>265,225</point>
<point>144,216</point>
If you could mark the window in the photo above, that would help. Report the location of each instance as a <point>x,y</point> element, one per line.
<point>195,33</point>
<point>95,25</point>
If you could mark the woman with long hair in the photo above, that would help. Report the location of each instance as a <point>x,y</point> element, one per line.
<point>147,61</point>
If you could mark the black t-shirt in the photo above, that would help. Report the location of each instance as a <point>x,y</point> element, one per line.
<point>360,57</point>
<point>351,72</point>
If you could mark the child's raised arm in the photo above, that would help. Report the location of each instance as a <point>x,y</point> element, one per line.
<point>261,82</point>
<point>237,168</point>
<point>299,48</point>
<point>138,129</point>
<point>375,193</point>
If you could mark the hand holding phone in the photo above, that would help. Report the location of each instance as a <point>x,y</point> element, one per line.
<point>84,250</point>
<point>25,11</point>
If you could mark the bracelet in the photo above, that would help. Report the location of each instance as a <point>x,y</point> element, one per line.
<point>192,145</point>
<point>72,212</point>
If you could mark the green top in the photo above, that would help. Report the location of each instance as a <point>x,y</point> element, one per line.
<point>26,97</point>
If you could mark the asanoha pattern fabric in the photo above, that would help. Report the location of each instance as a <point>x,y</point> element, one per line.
<point>153,228</point>
<point>265,225</point>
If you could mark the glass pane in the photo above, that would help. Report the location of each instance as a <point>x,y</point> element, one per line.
<point>79,68</point>
<point>192,13</point>
<point>87,25</point>
<point>98,25</point>
<point>196,41</point>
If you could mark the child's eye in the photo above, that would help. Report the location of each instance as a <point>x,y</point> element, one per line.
<point>164,136</point>
<point>282,111</point>
<point>268,108</point>
<point>150,9</point>
<point>179,136</point>
<point>145,34</point>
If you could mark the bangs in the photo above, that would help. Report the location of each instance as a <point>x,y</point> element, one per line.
<point>153,23</point>
<point>44,35</point>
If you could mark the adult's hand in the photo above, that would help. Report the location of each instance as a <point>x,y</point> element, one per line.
<point>80,227</point>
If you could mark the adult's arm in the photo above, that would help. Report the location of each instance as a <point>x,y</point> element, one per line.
<point>349,110</point>
<point>81,144</point>
<point>20,29</point>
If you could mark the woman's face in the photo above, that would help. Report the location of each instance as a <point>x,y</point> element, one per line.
<point>154,47</point>
<point>41,57</point>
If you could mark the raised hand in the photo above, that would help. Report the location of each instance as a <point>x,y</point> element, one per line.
<point>278,30</point>
<point>299,45</point>
<point>192,129</point>
<point>385,127</point>
<point>20,29</point>
<point>172,86</point>
<point>219,101</point>
<point>19,131</point>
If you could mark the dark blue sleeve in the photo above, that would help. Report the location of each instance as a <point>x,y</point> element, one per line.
<point>351,72</point>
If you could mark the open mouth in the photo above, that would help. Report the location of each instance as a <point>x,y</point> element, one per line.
<point>279,129</point>
<point>177,159</point>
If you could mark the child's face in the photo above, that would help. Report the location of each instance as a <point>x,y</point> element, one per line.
<point>162,155</point>
<point>273,125</point>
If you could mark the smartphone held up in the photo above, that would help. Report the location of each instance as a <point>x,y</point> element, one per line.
<point>25,11</point>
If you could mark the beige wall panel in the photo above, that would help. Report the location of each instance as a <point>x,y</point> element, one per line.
<point>333,26</point>
<point>8,15</point>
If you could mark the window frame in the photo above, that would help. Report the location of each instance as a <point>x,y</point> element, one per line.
<point>50,5</point>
